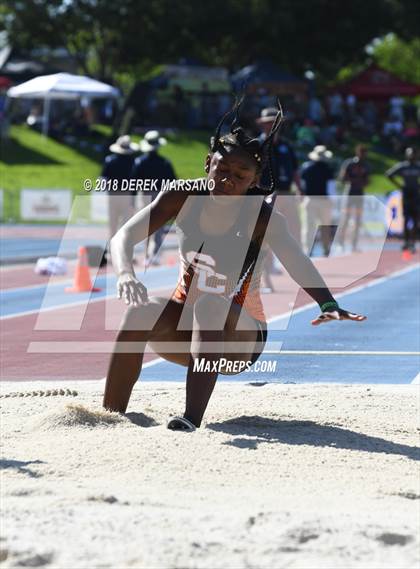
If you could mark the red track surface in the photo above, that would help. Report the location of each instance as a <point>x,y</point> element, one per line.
<point>24,275</point>
<point>17,333</point>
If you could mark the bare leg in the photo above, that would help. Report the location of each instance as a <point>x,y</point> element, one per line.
<point>143,324</point>
<point>325,215</point>
<point>410,223</point>
<point>406,230</point>
<point>268,268</point>
<point>156,321</point>
<point>229,324</point>
<point>309,226</point>
<point>200,385</point>
<point>358,221</point>
<point>123,372</point>
<point>414,228</point>
<point>343,229</point>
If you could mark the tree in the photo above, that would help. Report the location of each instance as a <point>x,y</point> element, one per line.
<point>124,36</point>
<point>397,56</point>
<point>406,18</point>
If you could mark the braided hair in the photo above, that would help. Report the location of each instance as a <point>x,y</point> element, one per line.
<point>260,151</point>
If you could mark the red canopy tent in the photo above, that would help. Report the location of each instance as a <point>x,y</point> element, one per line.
<point>5,82</point>
<point>377,83</point>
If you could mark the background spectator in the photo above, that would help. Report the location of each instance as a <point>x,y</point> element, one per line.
<point>152,166</point>
<point>117,167</point>
<point>315,176</point>
<point>409,172</point>
<point>355,174</point>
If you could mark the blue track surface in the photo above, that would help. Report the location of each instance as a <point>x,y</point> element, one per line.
<point>16,301</point>
<point>393,309</point>
<point>392,306</point>
<point>12,250</point>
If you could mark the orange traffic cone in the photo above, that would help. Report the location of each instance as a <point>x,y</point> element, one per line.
<point>406,255</point>
<point>82,282</point>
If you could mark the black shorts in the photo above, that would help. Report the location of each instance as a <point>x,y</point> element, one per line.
<point>259,345</point>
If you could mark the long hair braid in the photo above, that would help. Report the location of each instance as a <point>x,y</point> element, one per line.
<point>261,152</point>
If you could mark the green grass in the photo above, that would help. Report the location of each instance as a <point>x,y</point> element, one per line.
<point>378,183</point>
<point>28,160</point>
<point>187,152</point>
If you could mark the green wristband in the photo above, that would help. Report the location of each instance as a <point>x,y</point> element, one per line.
<point>327,305</point>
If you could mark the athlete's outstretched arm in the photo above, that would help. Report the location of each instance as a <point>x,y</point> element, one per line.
<point>165,207</point>
<point>303,271</point>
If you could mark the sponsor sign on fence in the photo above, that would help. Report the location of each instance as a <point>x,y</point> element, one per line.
<point>37,204</point>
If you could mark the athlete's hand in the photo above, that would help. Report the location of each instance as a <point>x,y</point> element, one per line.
<point>131,290</point>
<point>337,314</point>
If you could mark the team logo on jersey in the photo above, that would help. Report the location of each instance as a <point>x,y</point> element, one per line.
<point>203,266</point>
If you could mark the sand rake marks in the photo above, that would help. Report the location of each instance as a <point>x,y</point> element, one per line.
<point>41,393</point>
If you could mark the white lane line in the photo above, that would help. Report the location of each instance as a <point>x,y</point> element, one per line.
<point>269,321</point>
<point>20,289</point>
<point>69,281</point>
<point>158,360</point>
<point>90,300</point>
<point>339,353</point>
<point>57,307</point>
<point>285,315</point>
<point>347,292</point>
<point>17,267</point>
<point>416,380</point>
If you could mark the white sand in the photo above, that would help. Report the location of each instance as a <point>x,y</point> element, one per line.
<point>296,476</point>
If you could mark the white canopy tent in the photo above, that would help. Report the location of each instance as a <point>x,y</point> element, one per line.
<point>61,86</point>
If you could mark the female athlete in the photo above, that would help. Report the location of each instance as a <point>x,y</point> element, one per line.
<point>214,321</point>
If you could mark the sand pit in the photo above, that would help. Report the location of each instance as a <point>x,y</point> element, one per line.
<point>299,476</point>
